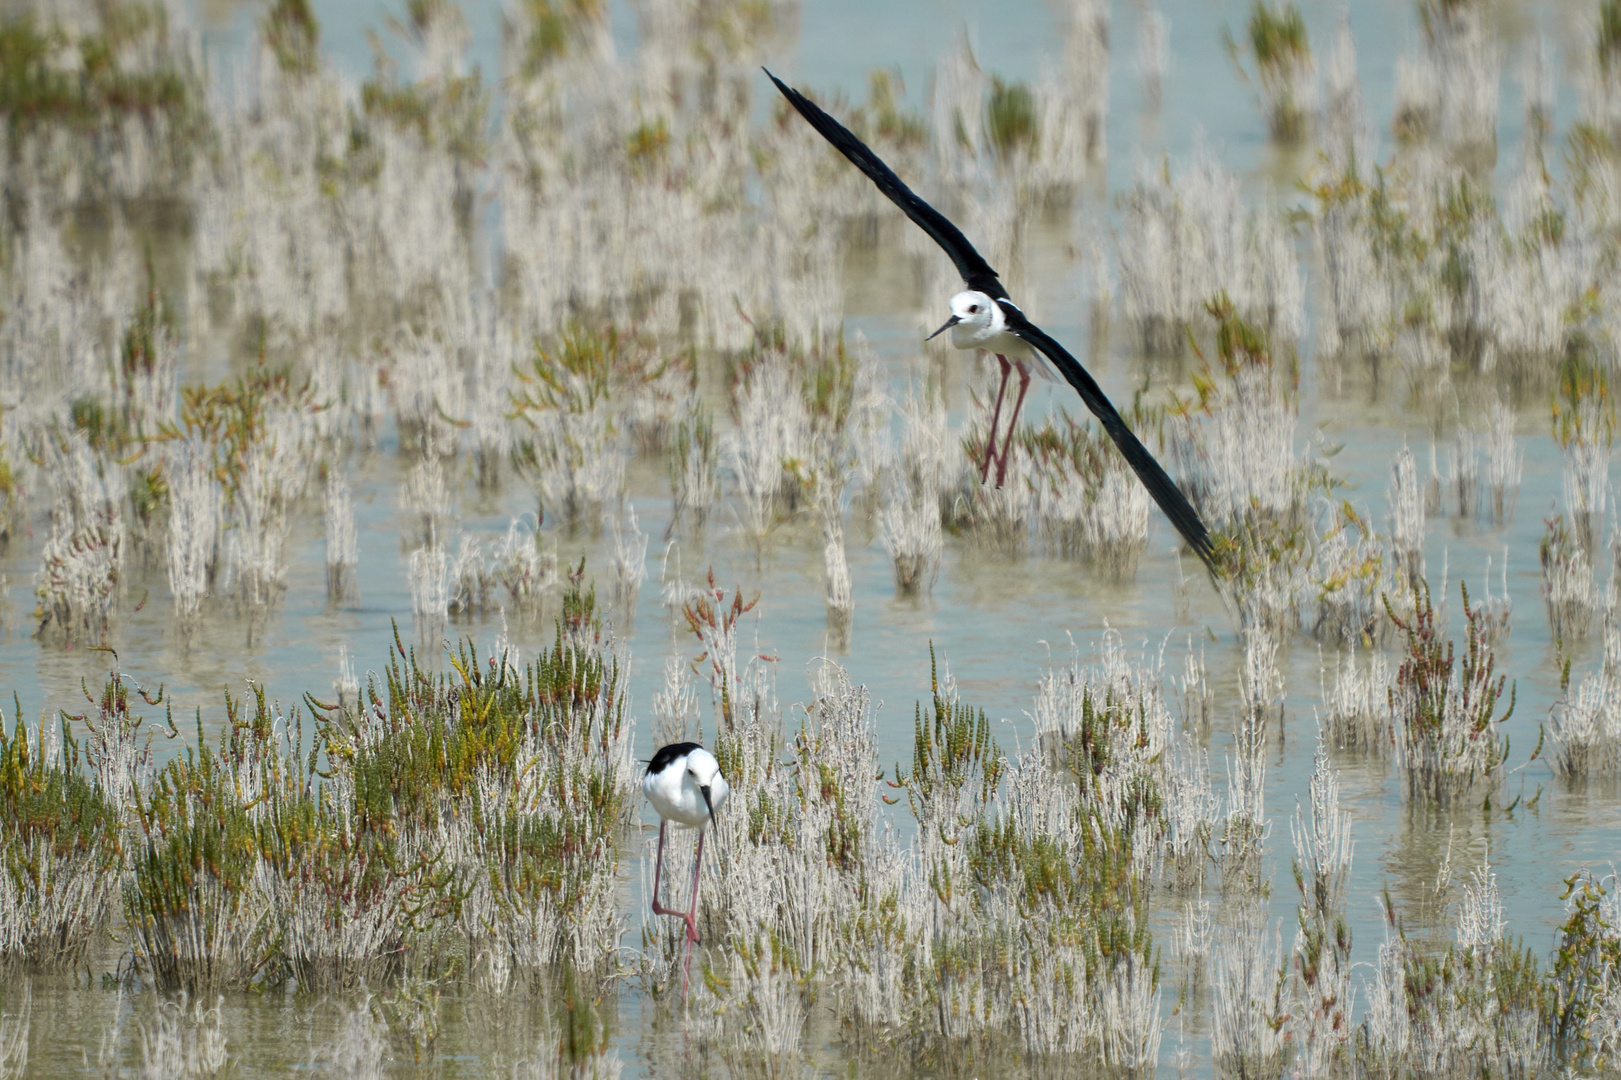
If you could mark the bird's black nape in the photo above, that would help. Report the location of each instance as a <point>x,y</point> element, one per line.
<point>976,272</point>
<point>667,755</point>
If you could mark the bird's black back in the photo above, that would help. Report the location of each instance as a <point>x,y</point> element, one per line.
<point>668,755</point>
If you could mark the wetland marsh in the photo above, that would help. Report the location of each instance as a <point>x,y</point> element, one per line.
<point>412,416</point>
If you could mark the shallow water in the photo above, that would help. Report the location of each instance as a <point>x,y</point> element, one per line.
<point>998,622</point>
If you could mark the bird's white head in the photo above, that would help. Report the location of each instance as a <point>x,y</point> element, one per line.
<point>974,318</point>
<point>705,773</point>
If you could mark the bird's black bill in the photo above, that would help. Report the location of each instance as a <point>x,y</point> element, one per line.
<point>949,323</point>
<point>704,791</point>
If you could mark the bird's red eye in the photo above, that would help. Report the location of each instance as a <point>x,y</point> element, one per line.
<point>973,309</point>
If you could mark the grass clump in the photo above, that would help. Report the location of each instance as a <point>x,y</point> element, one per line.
<point>1035,869</point>
<point>647,145</point>
<point>1092,507</point>
<point>1445,706</point>
<point>260,430</point>
<point>294,36</point>
<point>1277,37</point>
<point>1015,930</point>
<point>448,111</point>
<point>1321,964</point>
<point>1241,467</point>
<point>199,901</point>
<point>61,849</point>
<point>693,464</point>
<point>114,111</point>
<point>554,29</point>
<point>1447,278</point>
<point>1292,559</point>
<point>579,392</point>
<point>82,563</point>
<point>1476,1007</point>
<point>1608,45</point>
<point>240,415</point>
<point>883,120</point>
<point>956,765</point>
<point>436,826</point>
<point>1568,586</point>
<point>801,412</point>
<point>1583,416</point>
<point>536,761</point>
<point>585,365</point>
<point>51,77</point>
<point>1585,724</point>
<point>198,916</point>
<point>1585,977</point>
<point>1011,122</point>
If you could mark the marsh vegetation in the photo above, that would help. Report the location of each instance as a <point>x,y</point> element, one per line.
<point>342,422</point>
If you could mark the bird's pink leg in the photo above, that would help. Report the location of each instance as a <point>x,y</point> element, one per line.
<point>1007,444</point>
<point>692,915</point>
<point>996,414</point>
<point>658,876</point>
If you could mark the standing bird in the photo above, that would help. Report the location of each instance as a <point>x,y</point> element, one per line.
<point>983,317</point>
<point>684,784</point>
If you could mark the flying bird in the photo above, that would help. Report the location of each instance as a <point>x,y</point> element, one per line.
<point>684,784</point>
<point>984,317</point>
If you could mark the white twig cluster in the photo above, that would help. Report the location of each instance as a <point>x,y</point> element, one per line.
<point>1356,709</point>
<point>195,514</point>
<point>773,431</point>
<point>1405,497</point>
<point>1453,1014</point>
<point>1187,240</point>
<point>1320,984</point>
<point>1586,725</point>
<point>82,561</point>
<point>342,541</point>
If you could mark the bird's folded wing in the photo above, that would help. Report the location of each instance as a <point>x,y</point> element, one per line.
<point>1161,488</point>
<point>975,271</point>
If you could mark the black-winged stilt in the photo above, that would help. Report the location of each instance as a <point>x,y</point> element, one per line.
<point>983,317</point>
<point>684,784</point>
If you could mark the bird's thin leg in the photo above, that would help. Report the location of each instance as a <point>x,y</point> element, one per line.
<point>692,915</point>
<point>658,876</point>
<point>1007,444</point>
<point>996,414</point>
<point>692,912</point>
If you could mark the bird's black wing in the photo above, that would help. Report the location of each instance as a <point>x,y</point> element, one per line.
<point>976,272</point>
<point>1160,486</point>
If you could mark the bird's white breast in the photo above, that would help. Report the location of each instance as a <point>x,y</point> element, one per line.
<point>675,796</point>
<point>968,336</point>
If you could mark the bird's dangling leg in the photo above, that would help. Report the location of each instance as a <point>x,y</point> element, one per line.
<point>1013,423</point>
<point>692,916</point>
<point>996,414</point>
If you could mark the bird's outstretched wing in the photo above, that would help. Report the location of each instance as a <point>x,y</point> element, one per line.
<point>976,272</point>
<point>978,275</point>
<point>1161,488</point>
